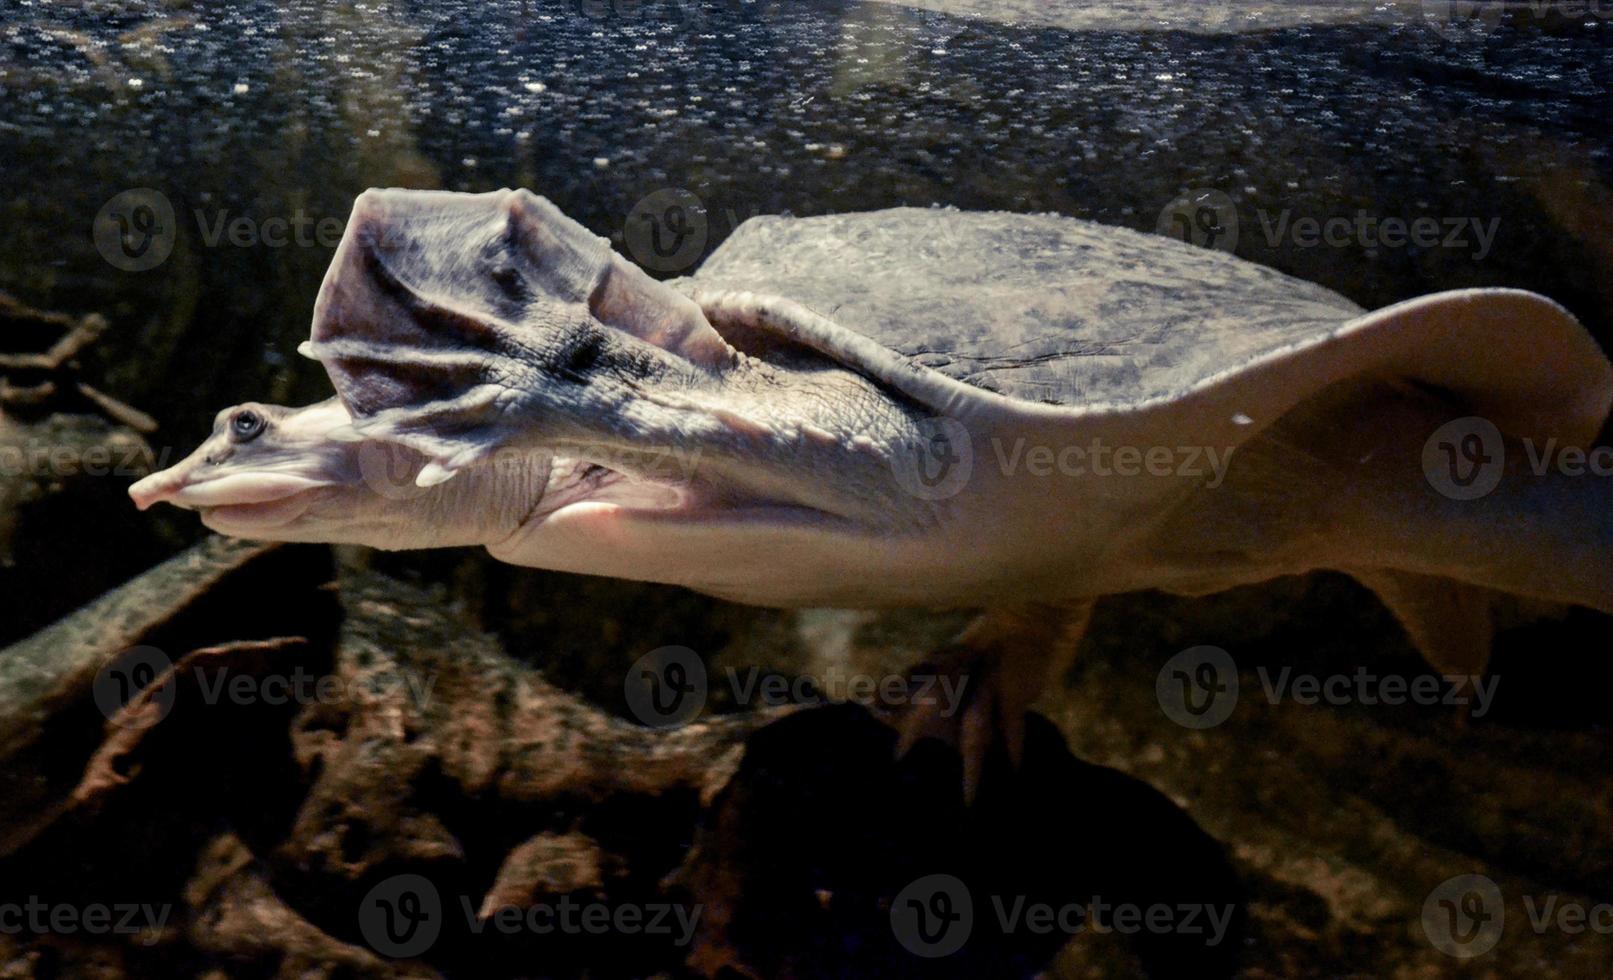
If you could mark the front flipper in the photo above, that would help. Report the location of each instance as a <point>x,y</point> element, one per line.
<point>997,667</point>
<point>444,317</point>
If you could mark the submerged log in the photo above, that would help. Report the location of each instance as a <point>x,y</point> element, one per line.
<point>68,450</point>
<point>412,766</point>
<point>51,724</point>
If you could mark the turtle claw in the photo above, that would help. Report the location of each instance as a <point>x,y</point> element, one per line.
<point>975,709</point>
<point>986,682</point>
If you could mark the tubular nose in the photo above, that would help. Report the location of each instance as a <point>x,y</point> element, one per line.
<point>155,488</point>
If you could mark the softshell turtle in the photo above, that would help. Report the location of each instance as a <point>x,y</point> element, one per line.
<point>1015,413</point>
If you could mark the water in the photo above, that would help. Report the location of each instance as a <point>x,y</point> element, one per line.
<point>185,168</point>
<point>273,115</point>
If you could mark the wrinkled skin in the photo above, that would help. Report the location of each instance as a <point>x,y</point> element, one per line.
<point>505,380</point>
<point>276,473</point>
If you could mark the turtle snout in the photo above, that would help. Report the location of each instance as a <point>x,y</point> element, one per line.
<point>167,486</point>
<point>157,487</point>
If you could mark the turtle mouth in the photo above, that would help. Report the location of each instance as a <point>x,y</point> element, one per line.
<point>243,490</point>
<point>234,501</point>
<point>257,515</point>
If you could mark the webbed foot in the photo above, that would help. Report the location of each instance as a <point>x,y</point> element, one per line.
<point>974,693</point>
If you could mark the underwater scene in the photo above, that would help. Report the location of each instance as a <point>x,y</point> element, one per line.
<point>833,488</point>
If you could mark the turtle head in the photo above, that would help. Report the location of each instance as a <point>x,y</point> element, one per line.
<point>463,326</point>
<point>504,378</point>
<point>268,472</point>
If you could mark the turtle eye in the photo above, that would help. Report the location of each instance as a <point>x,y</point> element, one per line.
<point>247,425</point>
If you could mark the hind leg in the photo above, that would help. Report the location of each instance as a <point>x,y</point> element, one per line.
<point>988,679</point>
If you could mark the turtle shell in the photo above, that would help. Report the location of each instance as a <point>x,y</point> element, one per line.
<point>1039,307</point>
<point>1070,314</point>
<point>1004,315</point>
